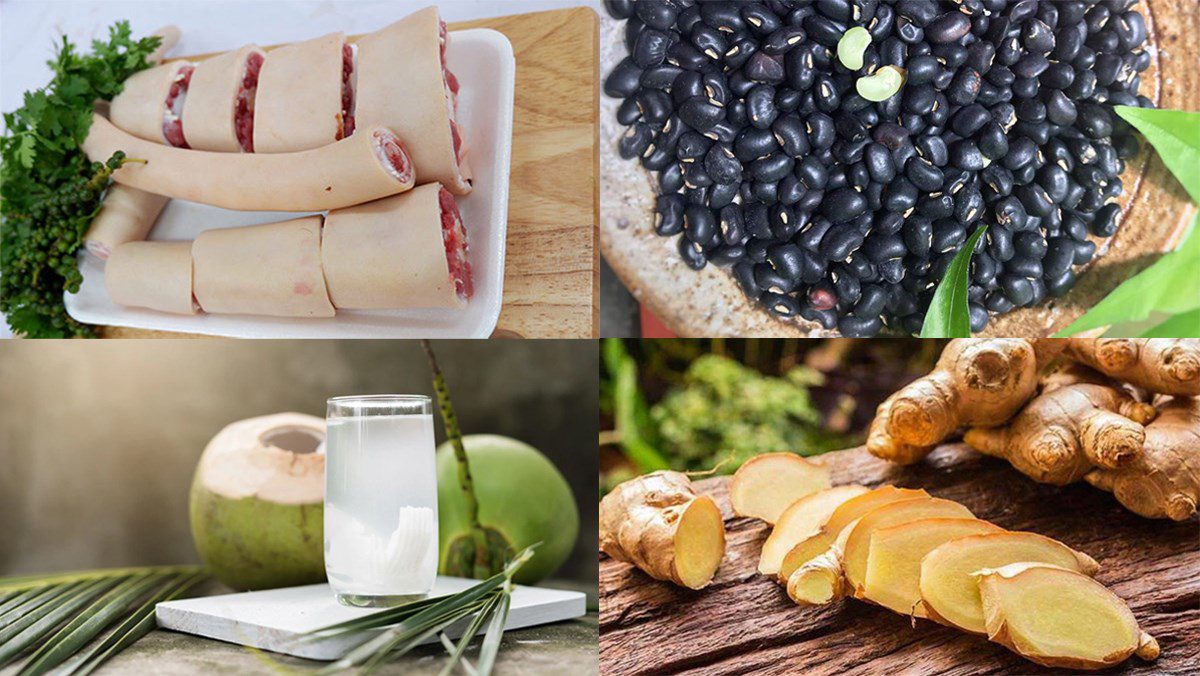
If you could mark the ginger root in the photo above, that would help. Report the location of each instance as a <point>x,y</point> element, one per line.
<point>894,563</point>
<point>980,383</point>
<point>1162,365</point>
<point>950,595</point>
<point>1062,435</point>
<point>769,483</point>
<point>1164,480</point>
<point>1059,617</point>
<point>802,519</point>
<point>658,523</point>
<point>818,543</point>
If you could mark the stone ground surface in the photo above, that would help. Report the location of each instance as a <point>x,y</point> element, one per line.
<point>560,648</point>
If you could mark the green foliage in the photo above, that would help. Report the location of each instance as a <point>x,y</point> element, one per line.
<point>1169,285</point>
<point>49,190</point>
<point>948,316</point>
<point>725,410</point>
<point>58,616</point>
<point>630,414</point>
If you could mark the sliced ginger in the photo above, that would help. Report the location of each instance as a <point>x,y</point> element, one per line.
<point>895,554</point>
<point>1060,618</point>
<point>950,594</point>
<point>657,523</point>
<point>847,556</point>
<point>803,518</point>
<point>769,483</point>
<point>818,543</point>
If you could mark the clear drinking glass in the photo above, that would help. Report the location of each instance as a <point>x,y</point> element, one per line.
<point>381,529</point>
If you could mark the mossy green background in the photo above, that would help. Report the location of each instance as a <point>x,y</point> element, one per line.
<point>99,439</point>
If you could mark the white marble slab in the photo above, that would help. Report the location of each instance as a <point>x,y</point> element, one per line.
<point>277,619</point>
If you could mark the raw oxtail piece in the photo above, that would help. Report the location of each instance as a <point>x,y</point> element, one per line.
<point>408,251</point>
<point>150,106</point>
<point>403,84</point>
<point>303,96</point>
<point>219,112</point>
<point>848,150</point>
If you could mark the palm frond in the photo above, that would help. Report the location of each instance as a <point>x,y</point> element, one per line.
<point>407,626</point>
<point>55,616</point>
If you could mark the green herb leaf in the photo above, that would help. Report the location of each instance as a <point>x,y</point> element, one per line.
<point>1183,325</point>
<point>948,316</point>
<point>1175,134</point>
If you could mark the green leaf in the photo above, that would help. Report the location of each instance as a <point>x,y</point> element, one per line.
<point>627,402</point>
<point>491,640</point>
<point>948,316</point>
<point>1175,134</point>
<point>1169,285</point>
<point>25,150</point>
<point>1183,325</point>
<point>33,627</point>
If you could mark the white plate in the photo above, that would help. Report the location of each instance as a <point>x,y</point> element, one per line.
<point>482,59</point>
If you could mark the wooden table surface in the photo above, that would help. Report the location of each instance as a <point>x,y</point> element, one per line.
<point>551,276</point>
<point>1155,214</point>
<point>745,623</point>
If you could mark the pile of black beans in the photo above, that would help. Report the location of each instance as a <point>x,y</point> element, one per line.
<point>848,212</point>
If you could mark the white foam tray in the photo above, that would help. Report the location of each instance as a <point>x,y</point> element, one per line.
<point>482,59</point>
<point>277,619</point>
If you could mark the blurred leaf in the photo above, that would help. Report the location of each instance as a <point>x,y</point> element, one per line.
<point>1175,134</point>
<point>1184,325</point>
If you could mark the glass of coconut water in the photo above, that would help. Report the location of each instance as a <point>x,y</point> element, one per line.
<point>381,530</point>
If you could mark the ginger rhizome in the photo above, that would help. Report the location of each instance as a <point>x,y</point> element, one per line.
<point>1162,365</point>
<point>975,383</point>
<point>1060,618</point>
<point>1164,480</point>
<point>768,484</point>
<point>658,523</point>
<point>1060,436</point>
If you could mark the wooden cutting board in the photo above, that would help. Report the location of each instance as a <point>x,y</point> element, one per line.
<point>551,275</point>
<point>744,622</point>
<point>1156,211</point>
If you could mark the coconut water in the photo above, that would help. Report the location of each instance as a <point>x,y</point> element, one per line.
<point>381,531</point>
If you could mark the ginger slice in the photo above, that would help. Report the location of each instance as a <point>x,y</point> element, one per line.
<point>858,539</point>
<point>950,595</point>
<point>818,543</point>
<point>658,523</point>
<point>803,518</point>
<point>894,559</point>
<point>847,556</point>
<point>768,484</point>
<point>1059,617</point>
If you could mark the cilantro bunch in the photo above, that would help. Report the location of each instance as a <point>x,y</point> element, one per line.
<point>49,190</point>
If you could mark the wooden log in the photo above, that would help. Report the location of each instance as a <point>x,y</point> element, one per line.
<point>744,622</point>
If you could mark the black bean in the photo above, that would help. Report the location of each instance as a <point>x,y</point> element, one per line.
<point>1034,198</point>
<point>692,253</point>
<point>635,141</point>
<point>699,114</point>
<point>1055,181</point>
<point>699,223</point>
<point>1018,290</point>
<point>1105,222</point>
<point>843,204</point>
<point>879,163</point>
<point>923,174</point>
<point>727,254</point>
<point>1000,243</point>
<point>722,194</point>
<point>966,155</point>
<point>948,27</point>
<point>772,167</point>
<point>760,105</point>
<point>692,146</point>
<point>657,159</point>
<point>840,241</point>
<point>970,119</point>
<point>757,16</point>
<point>821,132</point>
<point>1021,152</point>
<point>964,88</point>
<point>657,14</point>
<point>670,180</point>
<point>654,104</point>
<point>1030,244</point>
<point>824,30</point>
<point>624,79</point>
<point>783,40</point>
<point>1094,120</point>
<point>909,31</point>
<point>933,149</point>
<point>789,132</point>
<point>918,236</point>
<point>764,68</point>
<point>619,9</point>
<point>651,48</point>
<point>669,209</point>
<point>948,235</point>
<point>721,165</point>
<point>846,285</point>
<point>900,196</point>
<point>968,206</point>
<point>983,268</point>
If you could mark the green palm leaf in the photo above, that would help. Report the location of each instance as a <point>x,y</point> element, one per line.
<point>55,616</point>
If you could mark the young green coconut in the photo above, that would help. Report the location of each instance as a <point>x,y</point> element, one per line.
<point>256,503</point>
<point>497,496</point>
